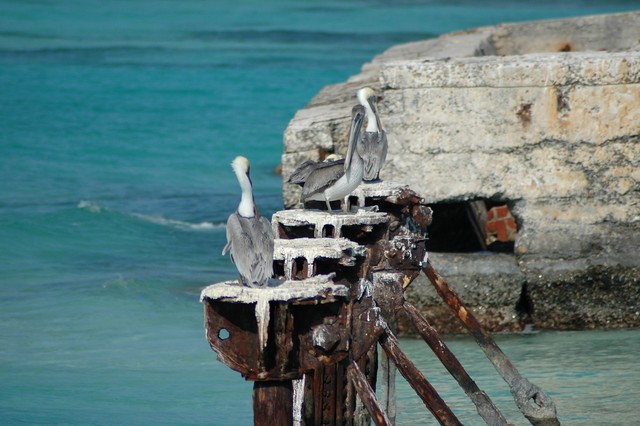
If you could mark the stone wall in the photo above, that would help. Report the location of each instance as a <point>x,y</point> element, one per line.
<point>544,116</point>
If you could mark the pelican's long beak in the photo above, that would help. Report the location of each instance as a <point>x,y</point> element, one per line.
<point>256,212</point>
<point>372,103</point>
<point>357,117</point>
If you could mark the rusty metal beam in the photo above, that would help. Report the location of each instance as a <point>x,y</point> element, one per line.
<point>420,385</point>
<point>532,401</point>
<point>485,407</point>
<point>367,395</point>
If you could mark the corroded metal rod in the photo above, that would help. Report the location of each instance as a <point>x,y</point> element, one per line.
<point>420,385</point>
<point>532,401</point>
<point>485,407</point>
<point>367,395</point>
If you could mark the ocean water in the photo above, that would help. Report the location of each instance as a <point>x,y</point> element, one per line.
<point>118,121</point>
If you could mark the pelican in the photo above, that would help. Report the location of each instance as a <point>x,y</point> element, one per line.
<point>373,146</point>
<point>249,235</point>
<point>336,180</point>
<point>300,175</point>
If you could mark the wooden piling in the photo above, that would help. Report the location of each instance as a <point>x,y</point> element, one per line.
<point>273,403</point>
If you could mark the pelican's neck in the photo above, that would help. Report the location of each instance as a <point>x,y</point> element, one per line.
<point>246,208</point>
<point>372,121</point>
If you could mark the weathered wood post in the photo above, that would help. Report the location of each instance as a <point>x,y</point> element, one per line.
<point>310,242</point>
<point>391,225</point>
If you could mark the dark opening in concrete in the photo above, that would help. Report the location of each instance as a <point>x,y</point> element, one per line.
<point>291,232</point>
<point>364,234</point>
<point>321,205</point>
<point>328,231</point>
<point>327,266</point>
<point>278,269</point>
<point>300,268</point>
<point>524,306</point>
<point>472,226</point>
<point>353,201</point>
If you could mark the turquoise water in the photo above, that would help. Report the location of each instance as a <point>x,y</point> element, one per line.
<point>118,122</point>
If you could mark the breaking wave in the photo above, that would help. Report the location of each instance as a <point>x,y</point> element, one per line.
<point>90,206</point>
<point>94,207</point>
<point>159,220</point>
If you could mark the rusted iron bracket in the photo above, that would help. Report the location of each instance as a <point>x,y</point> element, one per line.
<point>532,401</point>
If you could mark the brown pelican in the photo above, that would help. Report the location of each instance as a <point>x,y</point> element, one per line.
<point>334,181</point>
<point>373,146</point>
<point>300,175</point>
<point>249,235</point>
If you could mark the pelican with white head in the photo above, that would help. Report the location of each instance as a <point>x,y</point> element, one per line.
<point>249,235</point>
<point>337,180</point>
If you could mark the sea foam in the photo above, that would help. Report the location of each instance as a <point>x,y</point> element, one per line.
<point>160,220</point>
<point>94,207</point>
<point>90,206</point>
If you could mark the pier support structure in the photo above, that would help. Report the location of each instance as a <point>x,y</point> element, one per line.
<point>309,340</point>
